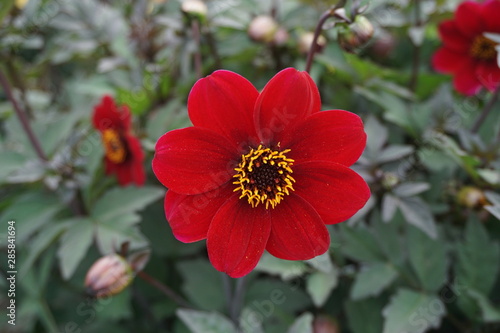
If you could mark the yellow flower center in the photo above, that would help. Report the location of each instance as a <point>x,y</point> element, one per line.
<point>263,176</point>
<point>113,146</point>
<point>483,48</point>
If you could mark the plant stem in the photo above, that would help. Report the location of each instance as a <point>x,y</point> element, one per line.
<point>47,316</point>
<point>213,47</point>
<point>195,27</point>
<point>22,118</point>
<point>238,298</point>
<point>226,283</point>
<point>314,45</point>
<point>323,18</point>
<point>416,51</point>
<point>486,111</point>
<point>164,289</point>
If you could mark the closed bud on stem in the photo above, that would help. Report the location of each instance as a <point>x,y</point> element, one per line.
<point>306,40</point>
<point>355,35</point>
<point>389,180</point>
<point>263,29</point>
<point>471,197</point>
<point>195,8</point>
<point>108,276</point>
<point>324,324</point>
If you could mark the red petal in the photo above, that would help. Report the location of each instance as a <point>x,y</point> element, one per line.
<point>491,13</point>
<point>335,135</point>
<point>224,103</point>
<point>193,160</point>
<point>453,38</point>
<point>136,160</point>
<point>469,18</point>
<point>108,115</point>
<point>287,99</point>
<point>237,237</point>
<point>447,61</point>
<point>189,216</point>
<point>124,174</point>
<point>466,81</point>
<point>335,191</point>
<point>297,231</point>
<point>488,74</point>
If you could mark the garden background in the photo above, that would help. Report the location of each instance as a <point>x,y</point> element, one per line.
<point>421,256</point>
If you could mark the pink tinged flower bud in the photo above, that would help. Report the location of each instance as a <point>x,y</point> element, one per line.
<point>263,29</point>
<point>355,35</point>
<point>324,324</point>
<point>306,40</point>
<point>195,8</point>
<point>281,37</point>
<point>108,276</point>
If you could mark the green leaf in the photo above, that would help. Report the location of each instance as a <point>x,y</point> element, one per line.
<point>205,322</point>
<point>428,259</point>
<point>74,245</point>
<point>322,263</point>
<point>365,316</point>
<point>359,243</point>
<point>286,269</point>
<point>489,312</point>
<point>40,243</point>
<point>110,235</point>
<point>33,211</point>
<point>412,312</point>
<point>319,286</point>
<point>393,153</point>
<point>197,275</point>
<point>249,323</point>
<point>410,189</point>
<point>377,135</point>
<point>417,212</point>
<point>372,280</point>
<point>302,324</point>
<point>11,161</point>
<point>471,252</point>
<point>119,201</point>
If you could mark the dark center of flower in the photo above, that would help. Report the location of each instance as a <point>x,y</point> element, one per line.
<point>483,48</point>
<point>113,146</point>
<point>263,176</point>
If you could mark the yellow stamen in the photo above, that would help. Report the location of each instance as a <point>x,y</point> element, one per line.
<point>113,146</point>
<point>264,176</point>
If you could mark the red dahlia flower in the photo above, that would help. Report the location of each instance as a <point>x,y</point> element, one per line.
<point>467,53</point>
<point>123,152</point>
<point>260,171</point>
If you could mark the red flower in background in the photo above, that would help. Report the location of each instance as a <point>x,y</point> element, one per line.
<point>123,152</point>
<point>260,171</point>
<point>466,52</point>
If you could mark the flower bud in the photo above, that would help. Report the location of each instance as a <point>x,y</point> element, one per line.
<point>383,45</point>
<point>306,40</point>
<point>108,276</point>
<point>389,180</point>
<point>324,324</point>
<point>471,197</point>
<point>263,29</point>
<point>281,37</point>
<point>20,4</point>
<point>356,34</point>
<point>195,8</point>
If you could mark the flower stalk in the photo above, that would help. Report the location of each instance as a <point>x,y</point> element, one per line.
<point>486,111</point>
<point>22,118</point>
<point>164,289</point>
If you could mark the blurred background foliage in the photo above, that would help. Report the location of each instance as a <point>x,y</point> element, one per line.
<point>422,256</point>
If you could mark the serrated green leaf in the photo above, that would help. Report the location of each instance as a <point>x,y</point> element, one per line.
<point>11,161</point>
<point>205,322</point>
<point>302,324</point>
<point>393,153</point>
<point>417,212</point>
<point>360,244</point>
<point>197,275</point>
<point>365,316</point>
<point>74,245</point>
<point>412,312</point>
<point>40,243</point>
<point>377,135</point>
<point>286,269</point>
<point>249,323</point>
<point>110,235</point>
<point>322,263</point>
<point>119,201</point>
<point>428,259</point>
<point>490,313</point>
<point>410,189</point>
<point>319,286</point>
<point>471,252</point>
<point>372,280</point>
